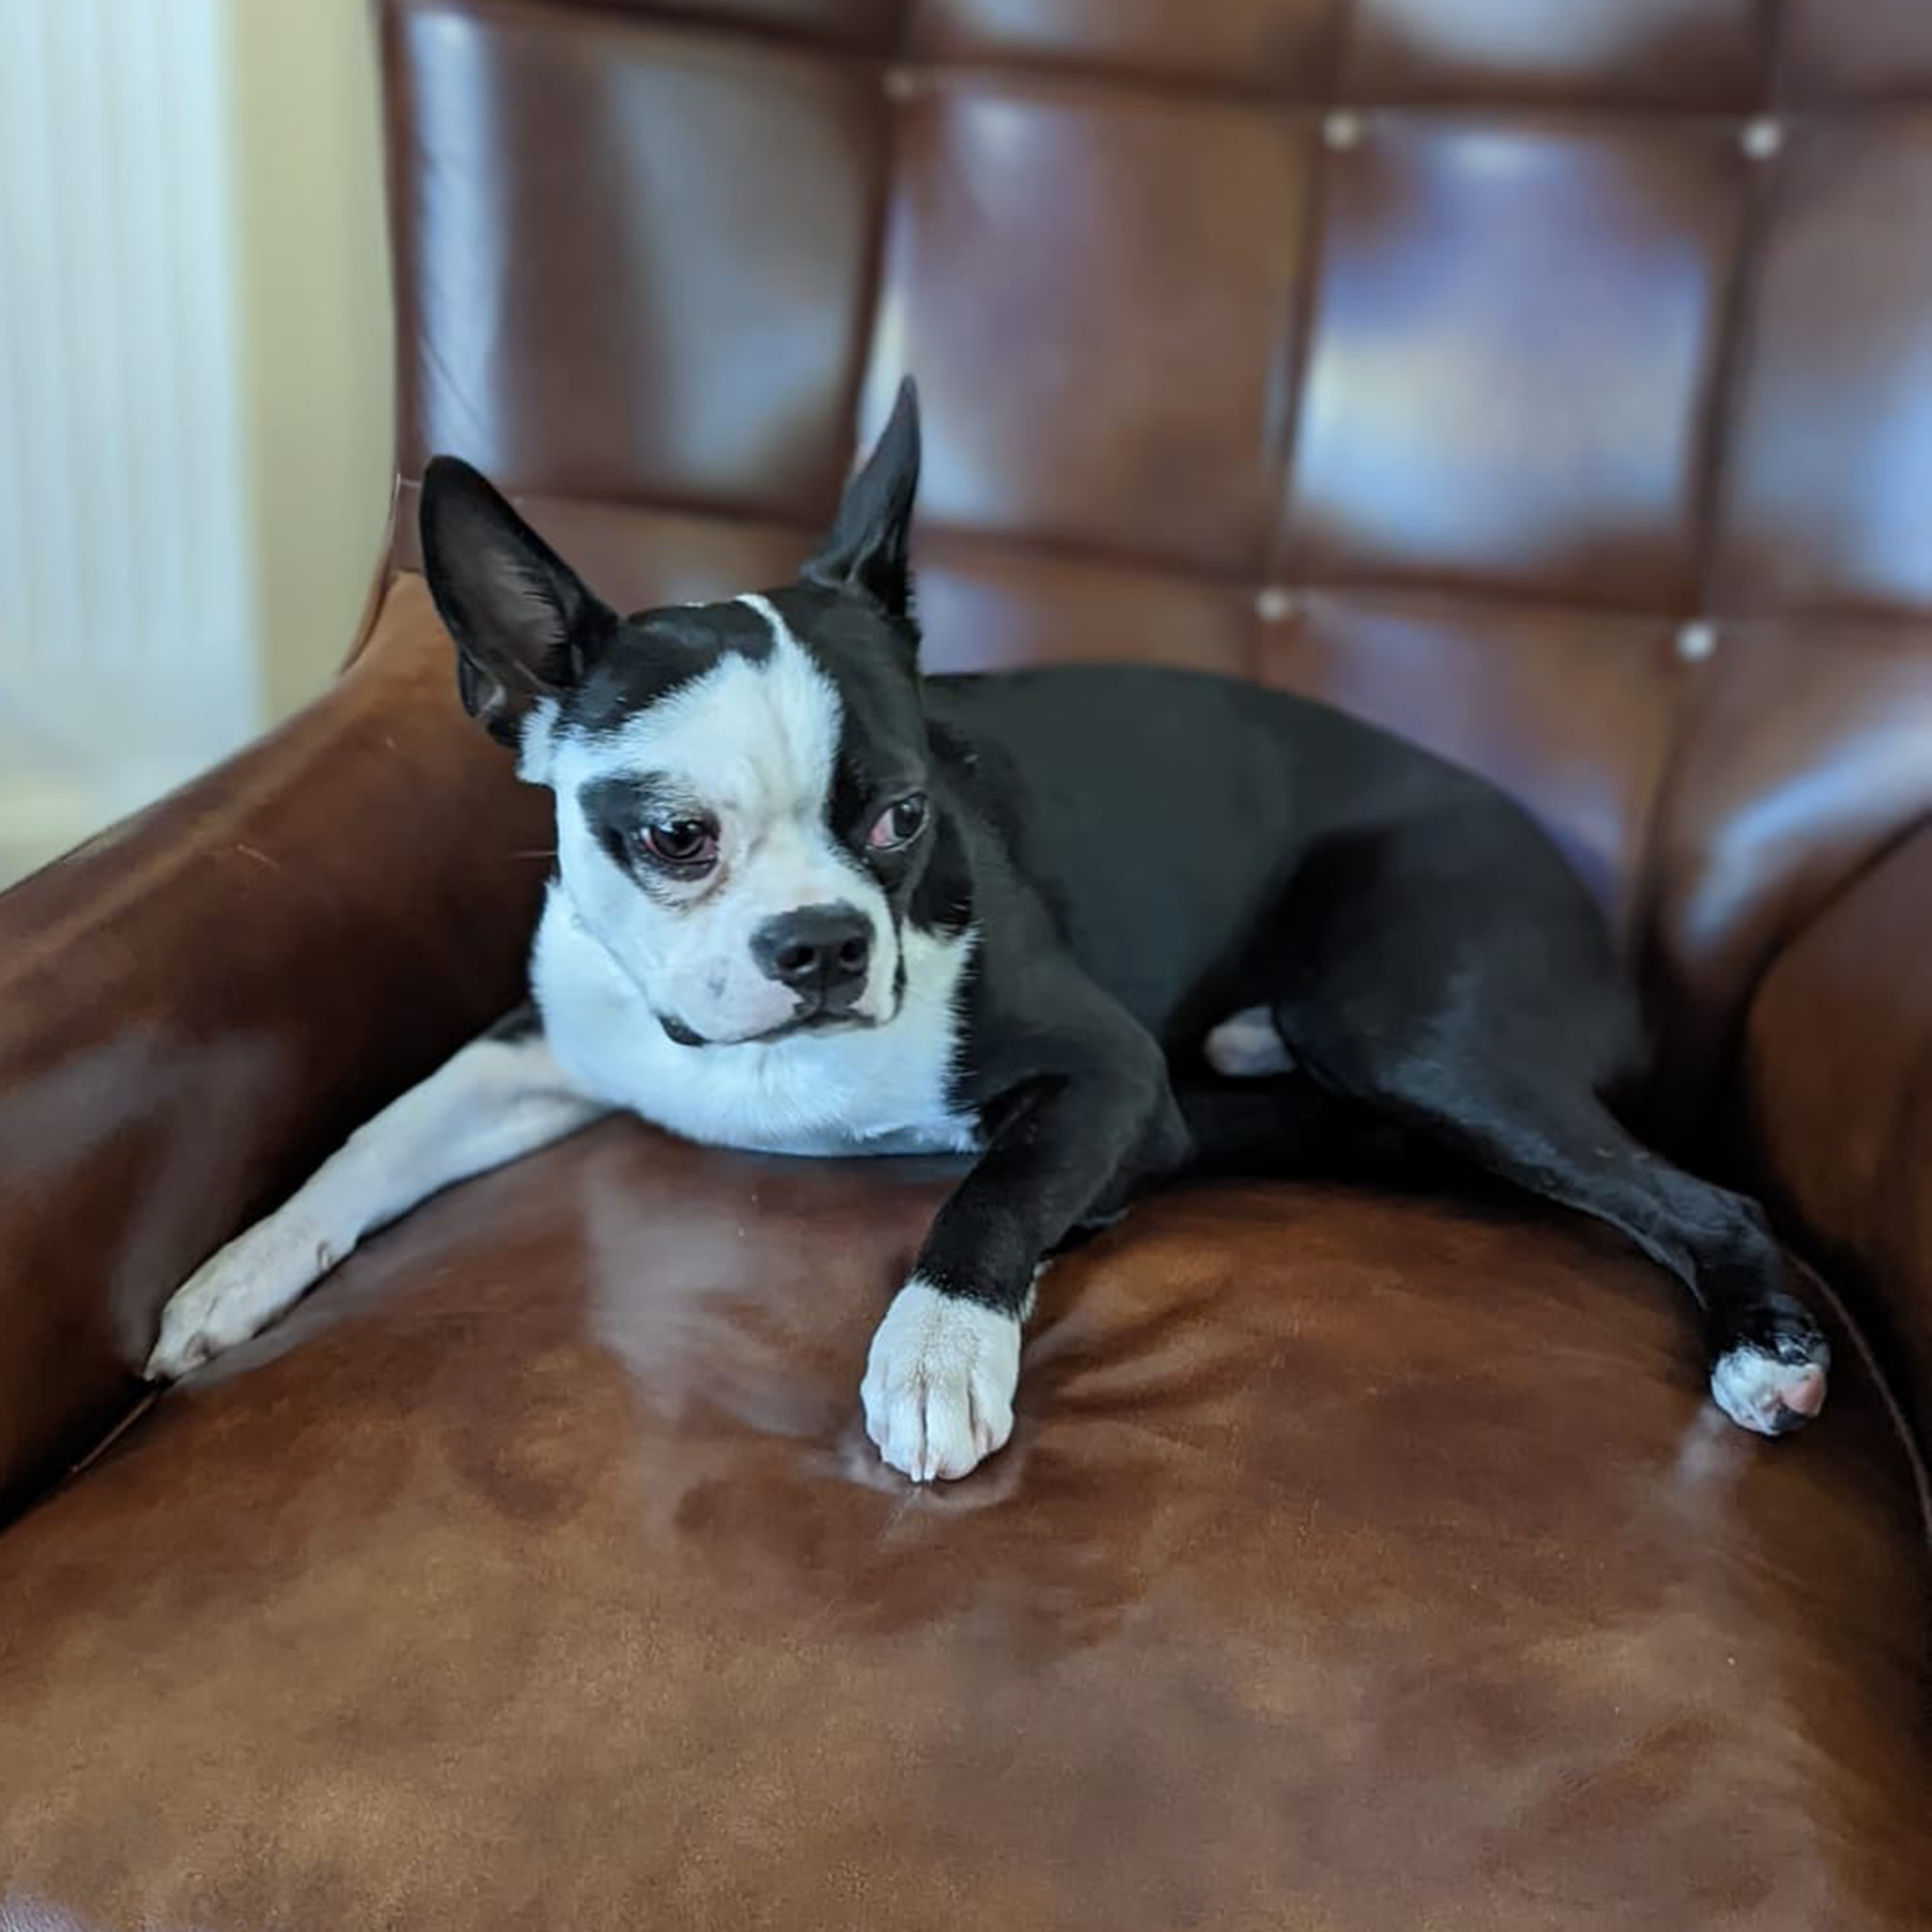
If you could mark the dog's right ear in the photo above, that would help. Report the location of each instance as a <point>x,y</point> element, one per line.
<point>526,625</point>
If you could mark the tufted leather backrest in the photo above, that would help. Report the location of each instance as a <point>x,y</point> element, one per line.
<point>1552,383</point>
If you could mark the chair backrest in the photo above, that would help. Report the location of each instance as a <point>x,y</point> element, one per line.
<point>1552,383</point>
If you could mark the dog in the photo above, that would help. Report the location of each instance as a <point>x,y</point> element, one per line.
<point>1094,928</point>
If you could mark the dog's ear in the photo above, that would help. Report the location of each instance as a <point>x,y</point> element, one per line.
<point>525,624</point>
<point>868,550</point>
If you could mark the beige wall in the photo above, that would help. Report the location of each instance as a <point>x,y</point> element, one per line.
<point>318,396</point>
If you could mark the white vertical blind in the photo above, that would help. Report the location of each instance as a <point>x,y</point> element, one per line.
<point>127,656</point>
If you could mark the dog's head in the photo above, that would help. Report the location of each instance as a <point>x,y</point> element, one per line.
<point>742,789</point>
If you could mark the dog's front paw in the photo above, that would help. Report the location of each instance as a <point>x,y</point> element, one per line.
<point>939,1384</point>
<point>237,1293</point>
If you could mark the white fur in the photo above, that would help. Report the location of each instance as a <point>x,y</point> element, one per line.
<point>875,1089</point>
<point>939,1383</point>
<point>239,1290</point>
<point>1750,1386</point>
<point>1246,1046</point>
<point>495,1101</point>
<point>752,742</point>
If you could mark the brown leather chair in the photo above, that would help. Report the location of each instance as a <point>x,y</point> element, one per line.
<point>1553,381</point>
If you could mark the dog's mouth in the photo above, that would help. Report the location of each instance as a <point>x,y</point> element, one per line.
<point>819,1020</point>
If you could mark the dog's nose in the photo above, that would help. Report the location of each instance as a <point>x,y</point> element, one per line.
<point>820,951</point>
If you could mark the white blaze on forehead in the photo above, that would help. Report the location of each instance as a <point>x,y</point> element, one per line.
<point>755,738</point>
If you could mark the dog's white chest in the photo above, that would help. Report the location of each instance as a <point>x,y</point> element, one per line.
<point>883,1090</point>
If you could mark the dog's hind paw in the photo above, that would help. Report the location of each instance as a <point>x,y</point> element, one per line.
<point>1774,1383</point>
<point>939,1384</point>
<point>1247,1045</point>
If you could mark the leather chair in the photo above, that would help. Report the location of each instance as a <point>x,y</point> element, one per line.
<point>1553,382</point>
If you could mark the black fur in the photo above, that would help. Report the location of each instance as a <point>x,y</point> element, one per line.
<point>1142,853</point>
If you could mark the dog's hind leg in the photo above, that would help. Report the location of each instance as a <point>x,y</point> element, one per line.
<point>1453,976</point>
<point>500,1096</point>
<point>1768,1356</point>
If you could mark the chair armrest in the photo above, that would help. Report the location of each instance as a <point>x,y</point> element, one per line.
<point>199,1004</point>
<point>1837,1097</point>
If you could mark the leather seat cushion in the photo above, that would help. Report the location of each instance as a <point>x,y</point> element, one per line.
<point>1360,1560</point>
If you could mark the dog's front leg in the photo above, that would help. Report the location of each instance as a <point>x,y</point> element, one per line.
<point>502,1096</point>
<point>945,1363</point>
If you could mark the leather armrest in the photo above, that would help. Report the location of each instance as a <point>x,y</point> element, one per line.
<point>1837,1096</point>
<point>196,1007</point>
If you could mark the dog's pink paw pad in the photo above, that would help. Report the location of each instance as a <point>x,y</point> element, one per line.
<point>1764,1394</point>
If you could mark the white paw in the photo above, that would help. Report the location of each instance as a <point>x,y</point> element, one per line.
<point>238,1292</point>
<point>1761,1393</point>
<point>1246,1046</point>
<point>939,1384</point>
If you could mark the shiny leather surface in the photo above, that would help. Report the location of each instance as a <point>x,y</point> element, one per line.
<point>1550,383</point>
<point>1836,1097</point>
<point>198,1006</point>
<point>618,352</point>
<point>1827,487</point>
<point>1799,757</point>
<point>1357,1563</point>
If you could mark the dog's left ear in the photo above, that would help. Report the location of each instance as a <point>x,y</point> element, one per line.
<point>868,548</point>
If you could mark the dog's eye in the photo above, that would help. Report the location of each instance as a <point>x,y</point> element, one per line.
<point>688,844</point>
<point>898,824</point>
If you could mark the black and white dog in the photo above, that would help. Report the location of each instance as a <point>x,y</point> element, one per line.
<point>1090,927</point>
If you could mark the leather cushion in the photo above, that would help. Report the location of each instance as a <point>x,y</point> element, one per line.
<point>198,1004</point>
<point>1358,1562</point>
<point>1837,1100</point>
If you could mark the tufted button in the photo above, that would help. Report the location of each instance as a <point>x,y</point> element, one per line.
<point>1274,605</point>
<point>900,83</point>
<point>1762,137</point>
<point>1697,641</point>
<point>1342,129</point>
